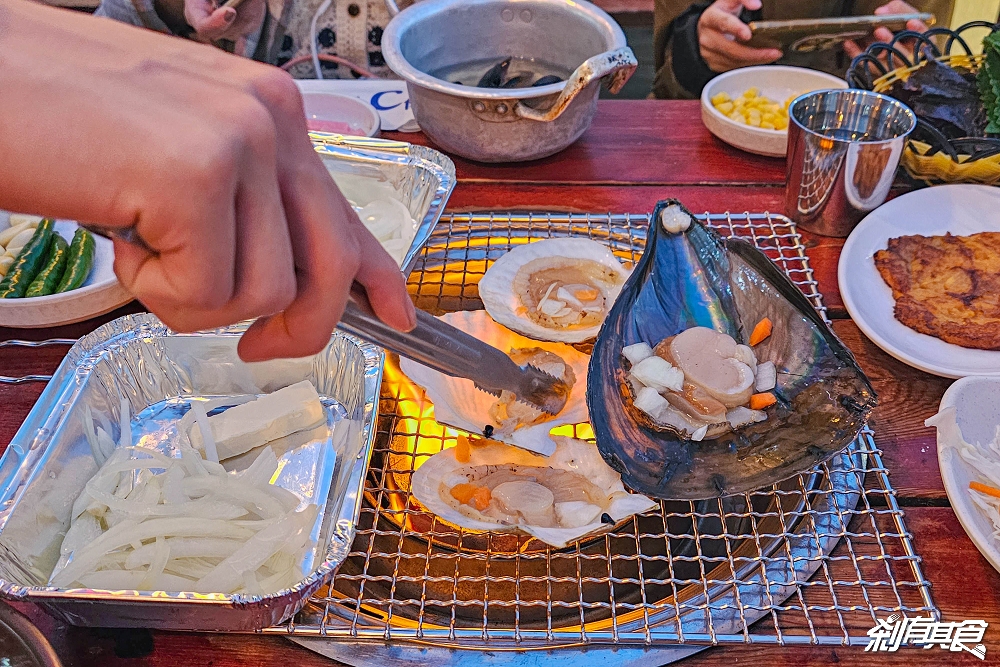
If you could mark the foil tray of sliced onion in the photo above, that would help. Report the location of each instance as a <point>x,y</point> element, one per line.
<point>129,498</point>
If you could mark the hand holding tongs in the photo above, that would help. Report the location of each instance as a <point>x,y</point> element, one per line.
<point>435,344</point>
<point>451,351</point>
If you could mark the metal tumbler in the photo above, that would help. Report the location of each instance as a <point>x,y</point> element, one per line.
<point>843,150</point>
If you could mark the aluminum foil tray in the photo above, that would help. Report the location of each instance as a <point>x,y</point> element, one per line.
<point>158,372</point>
<point>420,177</point>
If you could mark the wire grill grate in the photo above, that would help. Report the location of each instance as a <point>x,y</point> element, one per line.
<point>811,560</point>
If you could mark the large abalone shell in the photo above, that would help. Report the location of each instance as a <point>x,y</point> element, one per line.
<point>696,278</point>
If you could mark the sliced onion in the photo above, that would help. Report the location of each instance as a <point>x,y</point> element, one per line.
<point>145,521</point>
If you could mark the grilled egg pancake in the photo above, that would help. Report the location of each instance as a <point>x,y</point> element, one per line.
<point>946,286</point>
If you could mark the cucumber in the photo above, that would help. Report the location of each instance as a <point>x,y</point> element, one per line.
<point>28,262</point>
<point>48,278</point>
<point>79,261</point>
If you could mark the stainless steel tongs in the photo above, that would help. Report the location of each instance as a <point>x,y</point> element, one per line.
<point>453,352</point>
<point>435,344</point>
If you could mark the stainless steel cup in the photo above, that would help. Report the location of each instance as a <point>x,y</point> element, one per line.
<point>843,150</point>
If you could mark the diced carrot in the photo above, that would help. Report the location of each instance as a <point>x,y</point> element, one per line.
<point>982,488</point>
<point>462,452</point>
<point>481,498</point>
<point>761,331</point>
<point>463,492</point>
<point>587,294</point>
<point>763,400</point>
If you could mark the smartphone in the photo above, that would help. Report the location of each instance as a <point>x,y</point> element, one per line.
<point>808,35</point>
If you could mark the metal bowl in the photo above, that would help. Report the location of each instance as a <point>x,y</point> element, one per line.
<point>21,643</point>
<point>506,124</point>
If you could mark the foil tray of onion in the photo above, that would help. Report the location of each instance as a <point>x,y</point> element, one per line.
<point>161,482</point>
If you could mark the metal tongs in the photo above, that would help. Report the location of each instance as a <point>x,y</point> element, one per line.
<point>434,344</point>
<point>444,348</point>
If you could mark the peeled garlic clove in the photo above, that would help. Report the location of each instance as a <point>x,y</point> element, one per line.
<point>551,307</point>
<point>638,352</point>
<point>658,373</point>
<point>576,513</point>
<point>767,376</point>
<point>649,401</point>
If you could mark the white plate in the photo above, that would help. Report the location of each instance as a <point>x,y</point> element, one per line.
<point>776,82</point>
<point>349,115</point>
<point>977,407</point>
<point>101,294</point>
<point>959,209</point>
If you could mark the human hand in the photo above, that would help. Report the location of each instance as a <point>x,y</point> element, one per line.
<point>211,21</point>
<point>720,32</point>
<point>853,49</point>
<point>206,155</point>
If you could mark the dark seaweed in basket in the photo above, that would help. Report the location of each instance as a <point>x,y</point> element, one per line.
<point>944,98</point>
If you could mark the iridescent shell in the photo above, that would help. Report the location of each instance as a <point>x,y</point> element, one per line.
<point>436,475</point>
<point>693,277</point>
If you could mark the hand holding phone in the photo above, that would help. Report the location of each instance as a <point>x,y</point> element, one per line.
<point>721,37</point>
<point>882,34</point>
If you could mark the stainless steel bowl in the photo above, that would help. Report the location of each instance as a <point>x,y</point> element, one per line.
<point>21,643</point>
<point>509,124</point>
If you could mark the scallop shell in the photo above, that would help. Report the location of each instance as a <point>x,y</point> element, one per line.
<point>434,478</point>
<point>693,277</point>
<point>458,403</point>
<point>500,298</point>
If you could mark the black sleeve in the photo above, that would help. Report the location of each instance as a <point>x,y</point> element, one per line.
<point>690,69</point>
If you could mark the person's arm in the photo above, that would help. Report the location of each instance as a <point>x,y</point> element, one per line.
<point>705,40</point>
<point>203,20</point>
<point>206,155</point>
<point>675,40</point>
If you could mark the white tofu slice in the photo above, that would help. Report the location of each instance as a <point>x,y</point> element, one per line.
<point>244,427</point>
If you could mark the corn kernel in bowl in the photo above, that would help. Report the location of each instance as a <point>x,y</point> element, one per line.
<point>752,108</point>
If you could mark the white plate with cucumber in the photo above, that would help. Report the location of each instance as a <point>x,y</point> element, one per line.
<point>98,293</point>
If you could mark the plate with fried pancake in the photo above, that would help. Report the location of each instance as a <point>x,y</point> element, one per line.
<point>920,275</point>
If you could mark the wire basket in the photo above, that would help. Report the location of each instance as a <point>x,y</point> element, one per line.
<point>812,560</point>
<point>930,156</point>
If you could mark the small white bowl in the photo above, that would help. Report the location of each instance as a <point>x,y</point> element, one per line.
<point>101,294</point>
<point>777,82</point>
<point>340,114</point>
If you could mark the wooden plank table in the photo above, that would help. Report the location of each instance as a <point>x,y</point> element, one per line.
<point>635,153</point>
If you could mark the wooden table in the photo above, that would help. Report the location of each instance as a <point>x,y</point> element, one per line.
<point>635,153</point>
